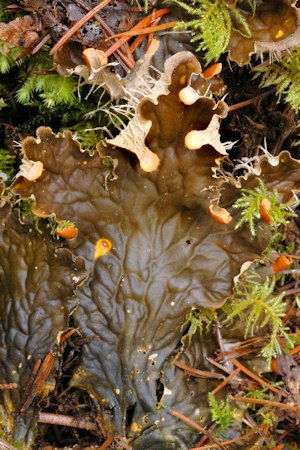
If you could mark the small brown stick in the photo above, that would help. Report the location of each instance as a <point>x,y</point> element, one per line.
<point>237,352</point>
<point>147,30</point>
<point>8,386</point>
<point>283,288</point>
<point>63,337</point>
<point>240,438</point>
<point>295,350</point>
<point>242,104</point>
<point>216,364</point>
<point>257,401</point>
<point>143,23</point>
<point>249,102</point>
<point>44,41</point>
<point>228,364</point>
<point>78,25</point>
<point>288,314</point>
<point>291,256</point>
<point>39,381</point>
<point>120,56</point>
<point>139,39</point>
<point>107,443</point>
<point>292,291</point>
<point>256,377</point>
<point>197,372</point>
<point>31,378</point>
<point>225,382</point>
<point>6,446</point>
<point>204,437</point>
<point>193,424</point>
<point>67,421</point>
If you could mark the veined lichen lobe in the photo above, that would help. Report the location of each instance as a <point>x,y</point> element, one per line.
<point>38,279</point>
<point>167,255</point>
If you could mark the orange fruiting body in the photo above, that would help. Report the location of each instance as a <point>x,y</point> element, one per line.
<point>281,263</point>
<point>274,366</point>
<point>220,215</point>
<point>102,247</point>
<point>68,232</point>
<point>264,209</point>
<point>211,71</point>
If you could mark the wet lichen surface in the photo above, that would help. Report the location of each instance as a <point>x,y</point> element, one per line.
<point>149,247</point>
<point>165,255</point>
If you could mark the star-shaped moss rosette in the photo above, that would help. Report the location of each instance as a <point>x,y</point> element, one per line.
<point>274,28</point>
<point>38,279</point>
<point>153,252</point>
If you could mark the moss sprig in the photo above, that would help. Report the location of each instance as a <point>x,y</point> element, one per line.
<point>222,412</point>
<point>250,205</point>
<point>199,321</point>
<point>7,163</point>
<point>8,56</point>
<point>213,24</point>
<point>285,76</point>
<point>256,306</point>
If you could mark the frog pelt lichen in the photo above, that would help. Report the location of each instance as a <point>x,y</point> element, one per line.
<point>167,256</point>
<point>38,279</point>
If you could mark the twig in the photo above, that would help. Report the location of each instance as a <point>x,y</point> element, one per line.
<point>197,372</point>
<point>216,364</point>
<point>228,364</point>
<point>42,42</point>
<point>292,291</point>
<point>204,437</point>
<point>139,39</point>
<point>295,350</point>
<point>120,56</point>
<point>256,377</point>
<point>67,421</point>
<point>206,447</point>
<point>6,446</point>
<point>143,23</point>
<point>8,386</point>
<point>107,443</point>
<point>226,381</point>
<point>249,102</point>
<point>257,401</point>
<point>291,256</point>
<point>193,424</point>
<point>38,382</point>
<point>63,337</point>
<point>147,30</point>
<point>78,25</point>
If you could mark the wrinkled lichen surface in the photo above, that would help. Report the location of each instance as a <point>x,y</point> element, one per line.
<point>167,256</point>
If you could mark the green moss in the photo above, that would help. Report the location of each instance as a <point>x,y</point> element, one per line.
<point>256,306</point>
<point>213,24</point>
<point>249,203</point>
<point>285,76</point>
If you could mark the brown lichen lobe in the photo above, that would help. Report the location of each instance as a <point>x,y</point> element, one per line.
<point>275,27</point>
<point>168,254</point>
<point>38,280</point>
<point>181,78</point>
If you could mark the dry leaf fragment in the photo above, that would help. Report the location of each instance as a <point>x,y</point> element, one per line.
<point>20,32</point>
